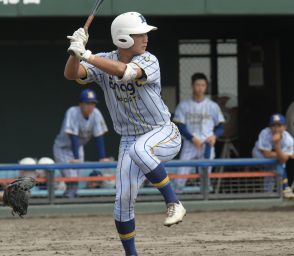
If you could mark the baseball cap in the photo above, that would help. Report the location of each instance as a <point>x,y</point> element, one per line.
<point>277,119</point>
<point>88,96</point>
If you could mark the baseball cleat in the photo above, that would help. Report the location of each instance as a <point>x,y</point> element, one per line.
<point>175,214</point>
<point>288,194</point>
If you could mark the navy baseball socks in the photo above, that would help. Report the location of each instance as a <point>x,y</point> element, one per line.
<point>175,210</point>
<point>126,231</point>
<point>158,177</point>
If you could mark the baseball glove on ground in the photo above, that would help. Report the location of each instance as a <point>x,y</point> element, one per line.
<point>17,195</point>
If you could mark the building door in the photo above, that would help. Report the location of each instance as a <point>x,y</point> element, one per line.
<point>218,60</point>
<point>259,89</point>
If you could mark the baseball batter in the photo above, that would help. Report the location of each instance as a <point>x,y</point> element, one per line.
<point>130,80</point>
<point>80,124</point>
<point>200,121</point>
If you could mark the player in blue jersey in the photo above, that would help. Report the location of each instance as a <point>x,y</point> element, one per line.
<point>201,122</point>
<point>130,80</point>
<point>276,143</point>
<point>81,123</point>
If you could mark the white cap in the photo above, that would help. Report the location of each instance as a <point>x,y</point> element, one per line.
<point>27,160</point>
<point>46,160</point>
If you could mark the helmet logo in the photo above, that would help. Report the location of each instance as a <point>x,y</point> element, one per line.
<point>142,18</point>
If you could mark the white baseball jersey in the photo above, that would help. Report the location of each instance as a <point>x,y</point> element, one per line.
<point>265,142</point>
<point>141,117</point>
<point>136,107</point>
<point>200,118</point>
<point>75,123</point>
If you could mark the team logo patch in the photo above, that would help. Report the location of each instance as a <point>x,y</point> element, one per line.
<point>276,118</point>
<point>91,95</point>
<point>146,58</point>
<point>142,19</point>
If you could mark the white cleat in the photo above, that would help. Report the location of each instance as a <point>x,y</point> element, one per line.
<point>288,194</point>
<point>175,214</point>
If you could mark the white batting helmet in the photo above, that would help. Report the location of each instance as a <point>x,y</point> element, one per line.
<point>27,160</point>
<point>127,24</point>
<point>46,160</point>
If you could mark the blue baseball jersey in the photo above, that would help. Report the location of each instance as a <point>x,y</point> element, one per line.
<point>265,142</point>
<point>136,107</point>
<point>75,123</point>
<point>200,118</point>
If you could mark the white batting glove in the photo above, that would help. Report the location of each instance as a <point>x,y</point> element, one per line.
<point>79,50</point>
<point>80,35</point>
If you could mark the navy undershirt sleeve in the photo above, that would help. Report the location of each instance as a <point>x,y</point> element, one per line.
<point>219,130</point>
<point>99,141</point>
<point>184,131</point>
<point>75,145</point>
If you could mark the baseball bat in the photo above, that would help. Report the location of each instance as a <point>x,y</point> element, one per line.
<point>90,19</point>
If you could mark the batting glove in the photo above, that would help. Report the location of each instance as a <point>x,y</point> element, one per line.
<point>79,51</point>
<point>80,35</point>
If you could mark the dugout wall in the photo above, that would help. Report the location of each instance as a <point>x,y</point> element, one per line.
<point>35,96</point>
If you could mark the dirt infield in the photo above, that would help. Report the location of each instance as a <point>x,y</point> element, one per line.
<point>206,233</point>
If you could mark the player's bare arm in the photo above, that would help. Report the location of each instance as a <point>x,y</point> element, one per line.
<point>111,67</point>
<point>123,69</point>
<point>269,154</point>
<point>73,69</point>
<point>281,156</point>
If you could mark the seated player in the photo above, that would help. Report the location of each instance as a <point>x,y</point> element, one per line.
<point>276,143</point>
<point>80,124</point>
<point>200,122</point>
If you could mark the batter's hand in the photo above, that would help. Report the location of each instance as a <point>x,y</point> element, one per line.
<point>80,35</point>
<point>105,159</point>
<point>211,140</point>
<point>74,161</point>
<point>197,142</point>
<point>79,51</point>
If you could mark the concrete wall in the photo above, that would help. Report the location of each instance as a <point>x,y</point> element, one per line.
<point>14,8</point>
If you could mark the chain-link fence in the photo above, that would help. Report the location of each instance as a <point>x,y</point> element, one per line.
<point>200,56</point>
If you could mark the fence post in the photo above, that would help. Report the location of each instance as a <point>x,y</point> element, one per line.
<point>51,186</point>
<point>204,180</point>
<point>279,179</point>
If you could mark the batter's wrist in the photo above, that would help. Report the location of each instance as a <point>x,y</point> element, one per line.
<point>87,55</point>
<point>91,58</point>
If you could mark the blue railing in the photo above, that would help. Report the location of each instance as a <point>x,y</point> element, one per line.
<point>174,163</point>
<point>204,177</point>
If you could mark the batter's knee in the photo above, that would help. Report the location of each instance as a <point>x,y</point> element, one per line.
<point>124,211</point>
<point>137,153</point>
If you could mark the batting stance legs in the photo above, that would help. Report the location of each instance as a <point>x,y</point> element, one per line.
<point>141,157</point>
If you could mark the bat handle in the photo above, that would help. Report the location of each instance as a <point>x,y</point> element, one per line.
<point>70,52</point>
<point>88,22</point>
